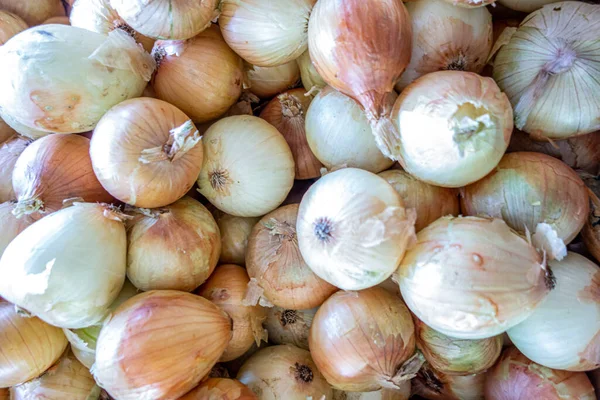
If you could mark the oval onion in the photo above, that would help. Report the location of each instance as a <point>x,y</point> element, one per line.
<point>9,153</point>
<point>159,344</point>
<point>310,77</point>
<point>287,326</point>
<point>525,5</point>
<point>220,389</point>
<point>434,385</point>
<point>10,25</point>
<point>33,12</point>
<point>383,394</point>
<point>235,232</point>
<point>266,82</point>
<point>11,225</point>
<point>248,167</point>
<point>472,278</point>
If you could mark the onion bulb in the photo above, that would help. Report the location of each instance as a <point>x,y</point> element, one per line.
<point>174,247</point>
<point>220,389</point>
<point>564,331</point>
<point>11,225</point>
<point>353,229</point>
<point>10,25</point>
<point>472,278</point>
<point>33,12</point>
<point>430,202</point>
<point>287,326</point>
<point>382,394</point>
<point>350,39</point>
<point>235,232</point>
<point>591,230</point>
<point>159,344</point>
<point>266,82</point>
<point>146,152</point>
<point>284,372</point>
<point>68,289</point>
<point>310,77</point>
<point>29,346</point>
<point>10,151</point>
<point>550,64</point>
<point>517,377</point>
<point>434,385</point>
<point>525,5</point>
<point>468,123</point>
<point>248,167</point>
<point>103,71</point>
<point>201,76</point>
<point>446,37</point>
<point>339,134</point>
<point>226,288</point>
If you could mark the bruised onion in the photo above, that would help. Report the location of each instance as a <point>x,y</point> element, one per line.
<point>10,151</point>
<point>10,25</point>
<point>310,77</point>
<point>266,82</point>
<point>235,232</point>
<point>220,389</point>
<point>287,326</point>
<point>382,394</point>
<point>33,12</point>
<point>434,385</point>
<point>11,225</point>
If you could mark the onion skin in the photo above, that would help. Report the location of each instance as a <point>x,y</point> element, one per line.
<point>434,385</point>
<point>287,326</point>
<point>516,377</point>
<point>160,344</point>
<point>220,389</point>
<point>10,25</point>
<point>11,225</point>
<point>382,394</point>
<point>33,12</point>
<point>591,230</point>
<point>266,82</point>
<point>308,73</point>
<point>9,153</point>
<point>347,325</point>
<point>525,6</point>
<point>235,232</point>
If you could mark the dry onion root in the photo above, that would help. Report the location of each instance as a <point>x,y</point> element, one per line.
<point>435,385</point>
<point>10,151</point>
<point>266,82</point>
<point>33,12</point>
<point>287,326</point>
<point>220,389</point>
<point>10,25</point>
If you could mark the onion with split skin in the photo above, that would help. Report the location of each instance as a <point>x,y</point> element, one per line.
<point>11,225</point>
<point>220,389</point>
<point>266,82</point>
<point>287,326</point>
<point>435,385</point>
<point>310,77</point>
<point>10,151</point>
<point>33,12</point>
<point>235,232</point>
<point>10,25</point>
<point>382,394</point>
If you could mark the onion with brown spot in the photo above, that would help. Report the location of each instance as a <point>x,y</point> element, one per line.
<point>287,326</point>
<point>220,389</point>
<point>434,385</point>
<point>10,151</point>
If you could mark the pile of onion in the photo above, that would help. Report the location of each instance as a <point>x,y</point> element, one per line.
<point>435,385</point>
<point>10,151</point>
<point>10,25</point>
<point>235,232</point>
<point>33,12</point>
<point>266,82</point>
<point>287,326</point>
<point>310,77</point>
<point>220,389</point>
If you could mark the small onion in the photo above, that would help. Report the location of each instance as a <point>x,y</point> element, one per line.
<point>10,25</point>
<point>278,271</point>
<point>146,152</point>
<point>382,394</point>
<point>174,247</point>
<point>591,230</point>
<point>28,346</point>
<point>516,377</point>
<point>33,12</point>
<point>525,5</point>
<point>472,278</point>
<point>339,133</point>
<point>235,232</point>
<point>287,326</point>
<point>10,151</point>
<point>248,167</point>
<point>310,77</point>
<point>434,385</point>
<point>220,389</point>
<point>159,344</point>
<point>353,229</point>
<point>468,121</point>
<point>11,225</point>
<point>284,372</point>
<point>266,82</point>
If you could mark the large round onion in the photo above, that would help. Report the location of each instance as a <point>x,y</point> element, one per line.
<point>160,344</point>
<point>220,389</point>
<point>353,229</point>
<point>11,225</point>
<point>235,232</point>
<point>248,168</point>
<point>434,385</point>
<point>472,278</point>
<point>287,326</point>
<point>146,152</point>
<point>10,25</point>
<point>9,153</point>
<point>34,12</point>
<point>266,82</point>
<point>103,71</point>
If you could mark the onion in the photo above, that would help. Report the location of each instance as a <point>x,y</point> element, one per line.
<point>353,229</point>
<point>174,247</point>
<point>550,64</point>
<point>310,77</point>
<point>9,153</point>
<point>29,346</point>
<point>525,5</point>
<point>11,225</point>
<point>516,377</point>
<point>287,326</point>
<point>348,41</point>
<point>287,113</point>
<point>284,372</point>
<point>103,71</point>
<point>6,132</point>
<point>434,385</point>
<point>430,202</point>
<point>446,37</point>
<point>10,25</point>
<point>201,76</point>
<point>468,122</point>
<point>564,331</point>
<point>591,230</point>
<point>276,267</point>
<point>226,288</point>
<point>62,20</point>
<point>235,232</point>
<point>266,82</point>
<point>248,168</point>
<point>382,394</point>
<point>33,12</point>
<point>68,289</point>
<point>53,169</point>
<point>4,395</point>
<point>220,389</point>
<point>472,278</point>
<point>339,133</point>
<point>146,152</point>
<point>469,3</point>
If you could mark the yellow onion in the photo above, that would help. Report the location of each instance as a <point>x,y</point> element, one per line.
<point>10,25</point>
<point>33,12</point>
<point>29,346</point>
<point>248,167</point>
<point>63,20</point>
<point>525,5</point>
<point>146,152</point>
<point>11,225</point>
<point>472,278</point>
<point>360,341</point>
<point>266,82</point>
<point>103,71</point>
<point>234,366</point>
<point>517,377</point>
<point>434,385</point>
<point>201,76</point>
<point>430,202</point>
<point>10,151</point>
<point>226,288</point>
<point>550,64</point>
<point>6,132</point>
<point>310,77</point>
<point>235,232</point>
<point>594,377</point>
<point>467,122</point>
<point>173,247</point>
<point>353,229</point>
<point>446,37</point>
<point>339,134</point>
<point>159,344</point>
<point>591,230</point>
<point>278,272</point>
<point>564,331</point>
<point>68,267</point>
<point>287,113</point>
<point>284,372</point>
<point>468,3</point>
<point>220,389</point>
<point>4,394</point>
<point>382,394</point>
<point>361,47</point>
<point>167,19</point>
<point>287,326</point>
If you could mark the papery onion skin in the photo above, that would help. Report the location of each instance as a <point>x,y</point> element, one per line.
<point>516,377</point>
<point>9,153</point>
<point>33,12</point>
<point>310,77</point>
<point>11,225</point>
<point>28,346</point>
<point>468,121</point>
<point>10,25</point>
<point>287,326</point>
<point>201,76</point>
<point>135,158</point>
<point>235,232</point>
<point>564,331</point>
<point>266,82</point>
<point>434,385</point>
<point>160,344</point>
<point>472,278</point>
<point>220,389</point>
<point>525,5</point>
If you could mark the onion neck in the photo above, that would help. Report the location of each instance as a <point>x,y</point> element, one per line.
<point>181,140</point>
<point>406,372</point>
<point>28,207</point>
<point>378,109</point>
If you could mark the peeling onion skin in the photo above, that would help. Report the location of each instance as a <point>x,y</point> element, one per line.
<point>287,326</point>
<point>220,389</point>
<point>10,25</point>
<point>33,12</point>
<point>515,377</point>
<point>10,151</point>
<point>11,225</point>
<point>435,385</point>
<point>382,394</point>
<point>266,82</point>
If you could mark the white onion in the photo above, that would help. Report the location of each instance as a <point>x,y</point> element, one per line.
<point>266,82</point>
